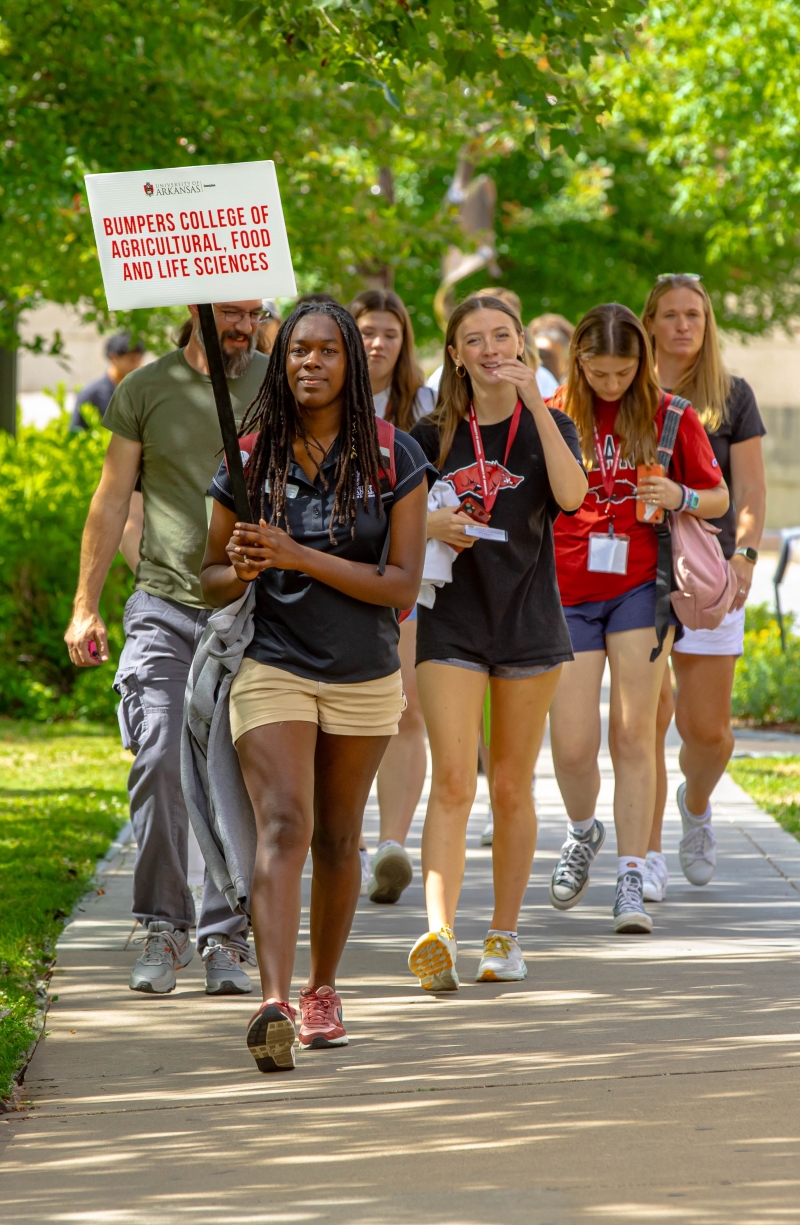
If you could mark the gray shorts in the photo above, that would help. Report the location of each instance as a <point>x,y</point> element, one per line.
<point>501,671</point>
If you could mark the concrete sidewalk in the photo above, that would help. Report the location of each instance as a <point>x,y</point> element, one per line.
<point>627,1079</point>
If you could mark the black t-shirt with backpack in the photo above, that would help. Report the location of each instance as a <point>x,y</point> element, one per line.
<point>503,606</point>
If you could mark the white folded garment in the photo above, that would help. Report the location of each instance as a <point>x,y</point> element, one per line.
<point>439,557</point>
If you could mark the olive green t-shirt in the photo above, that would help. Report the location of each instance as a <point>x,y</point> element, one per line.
<point>169,408</point>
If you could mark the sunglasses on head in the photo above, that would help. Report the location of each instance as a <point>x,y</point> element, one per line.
<point>672,276</point>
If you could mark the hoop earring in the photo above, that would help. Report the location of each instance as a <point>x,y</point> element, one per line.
<point>461,372</point>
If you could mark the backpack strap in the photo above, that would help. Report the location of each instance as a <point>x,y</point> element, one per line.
<point>386,433</point>
<point>674,408</point>
<point>246,445</point>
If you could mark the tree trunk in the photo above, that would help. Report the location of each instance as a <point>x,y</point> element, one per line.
<point>8,391</point>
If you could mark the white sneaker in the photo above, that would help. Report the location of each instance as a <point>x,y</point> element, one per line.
<point>433,960</point>
<point>655,877</point>
<point>165,951</point>
<point>488,832</point>
<point>501,961</point>
<point>392,872</point>
<point>698,847</point>
<point>366,871</point>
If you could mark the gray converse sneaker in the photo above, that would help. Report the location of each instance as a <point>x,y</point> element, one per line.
<point>392,872</point>
<point>165,951</point>
<point>570,878</point>
<point>224,974</point>
<point>698,846</point>
<point>629,913</point>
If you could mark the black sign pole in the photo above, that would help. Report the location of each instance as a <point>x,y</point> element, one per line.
<point>227,421</point>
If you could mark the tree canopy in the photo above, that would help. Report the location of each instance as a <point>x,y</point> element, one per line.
<point>333,91</point>
<point>617,155</point>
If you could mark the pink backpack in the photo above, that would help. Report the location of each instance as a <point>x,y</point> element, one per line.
<point>693,575</point>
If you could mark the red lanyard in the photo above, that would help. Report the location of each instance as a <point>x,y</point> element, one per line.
<point>609,478</point>
<point>489,497</point>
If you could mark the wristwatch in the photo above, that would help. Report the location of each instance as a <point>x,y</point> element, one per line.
<point>750,554</point>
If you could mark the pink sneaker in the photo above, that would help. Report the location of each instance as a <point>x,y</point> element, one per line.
<point>321,1018</point>
<point>270,1036</point>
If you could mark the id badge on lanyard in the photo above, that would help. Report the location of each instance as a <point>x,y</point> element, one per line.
<point>608,552</point>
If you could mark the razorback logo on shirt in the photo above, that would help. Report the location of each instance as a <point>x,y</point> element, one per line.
<point>468,480</point>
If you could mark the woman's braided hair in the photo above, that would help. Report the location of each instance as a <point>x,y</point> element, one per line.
<point>275,415</point>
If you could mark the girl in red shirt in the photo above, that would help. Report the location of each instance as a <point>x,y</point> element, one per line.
<point>606,564</point>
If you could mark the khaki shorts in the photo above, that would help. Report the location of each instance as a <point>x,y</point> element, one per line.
<point>261,694</point>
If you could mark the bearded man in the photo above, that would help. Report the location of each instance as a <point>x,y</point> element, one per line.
<point>165,429</point>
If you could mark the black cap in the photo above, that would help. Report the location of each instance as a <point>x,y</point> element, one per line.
<point>117,346</point>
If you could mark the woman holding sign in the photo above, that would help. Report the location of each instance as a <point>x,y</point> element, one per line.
<point>318,694</point>
<point>514,464</point>
<point>607,557</point>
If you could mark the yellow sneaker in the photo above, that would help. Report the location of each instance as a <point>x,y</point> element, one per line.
<point>433,960</point>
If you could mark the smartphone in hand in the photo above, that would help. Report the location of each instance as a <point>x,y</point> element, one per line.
<point>644,512</point>
<point>475,511</point>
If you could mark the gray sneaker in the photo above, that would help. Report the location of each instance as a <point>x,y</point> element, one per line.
<point>224,974</point>
<point>165,951</point>
<point>487,837</point>
<point>392,872</point>
<point>570,878</point>
<point>629,913</point>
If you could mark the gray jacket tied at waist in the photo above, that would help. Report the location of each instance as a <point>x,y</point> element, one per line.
<point>219,807</point>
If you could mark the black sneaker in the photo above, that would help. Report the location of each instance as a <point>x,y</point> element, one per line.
<point>570,878</point>
<point>629,912</point>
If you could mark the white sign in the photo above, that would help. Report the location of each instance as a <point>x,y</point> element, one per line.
<point>190,234</point>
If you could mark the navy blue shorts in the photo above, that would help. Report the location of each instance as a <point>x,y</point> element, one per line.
<point>589,623</point>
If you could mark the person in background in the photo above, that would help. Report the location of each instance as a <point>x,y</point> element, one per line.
<point>400,396</point>
<point>164,426</point>
<point>268,330</point>
<point>679,319</point>
<point>607,560</point>
<point>552,335</point>
<point>123,357</point>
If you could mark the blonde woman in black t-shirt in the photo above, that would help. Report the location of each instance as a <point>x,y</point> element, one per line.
<point>498,624</point>
<point>679,319</point>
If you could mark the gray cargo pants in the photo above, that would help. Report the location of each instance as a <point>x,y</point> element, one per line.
<point>161,637</point>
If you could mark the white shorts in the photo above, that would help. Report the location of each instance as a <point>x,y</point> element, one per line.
<point>726,639</point>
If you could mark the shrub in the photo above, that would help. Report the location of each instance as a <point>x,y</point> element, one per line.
<point>767,684</point>
<point>48,478</point>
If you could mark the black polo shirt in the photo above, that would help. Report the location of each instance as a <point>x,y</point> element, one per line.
<point>302,624</point>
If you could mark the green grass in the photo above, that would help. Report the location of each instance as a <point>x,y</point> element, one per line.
<point>774,784</point>
<point>62,800</point>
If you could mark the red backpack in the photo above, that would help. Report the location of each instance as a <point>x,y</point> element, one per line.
<point>388,480</point>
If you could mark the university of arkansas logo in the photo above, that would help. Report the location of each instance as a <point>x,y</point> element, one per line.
<point>468,480</point>
<point>148,189</point>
